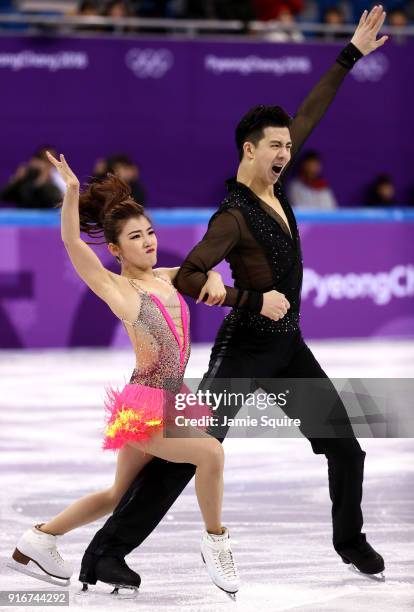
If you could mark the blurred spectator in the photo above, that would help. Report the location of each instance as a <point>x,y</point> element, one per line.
<point>36,184</point>
<point>10,7</point>
<point>118,9</point>
<point>88,8</point>
<point>100,168</point>
<point>159,9</point>
<point>281,34</point>
<point>235,9</point>
<point>381,192</point>
<point>398,18</point>
<point>310,189</point>
<point>220,9</point>
<point>359,6</point>
<point>267,10</point>
<point>409,10</point>
<point>7,6</point>
<point>200,9</point>
<point>121,165</point>
<point>347,8</point>
<point>334,17</point>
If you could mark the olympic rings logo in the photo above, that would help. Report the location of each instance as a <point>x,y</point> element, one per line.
<point>149,63</point>
<point>371,68</point>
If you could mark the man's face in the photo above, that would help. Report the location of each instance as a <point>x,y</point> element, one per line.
<point>271,154</point>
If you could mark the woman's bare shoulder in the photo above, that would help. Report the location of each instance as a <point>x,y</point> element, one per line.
<point>167,274</point>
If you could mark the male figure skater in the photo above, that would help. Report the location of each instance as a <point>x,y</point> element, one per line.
<point>255,230</point>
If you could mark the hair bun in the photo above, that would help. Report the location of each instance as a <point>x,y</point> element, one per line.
<point>109,192</point>
<point>105,202</point>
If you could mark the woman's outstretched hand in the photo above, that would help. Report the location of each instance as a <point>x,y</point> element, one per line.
<point>365,36</point>
<point>215,288</point>
<point>64,170</point>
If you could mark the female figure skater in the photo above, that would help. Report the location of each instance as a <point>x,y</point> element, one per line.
<point>157,321</point>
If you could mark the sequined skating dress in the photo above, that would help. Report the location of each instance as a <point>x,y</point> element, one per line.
<point>147,403</point>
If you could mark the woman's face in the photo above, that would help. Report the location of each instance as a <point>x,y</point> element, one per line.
<point>138,243</point>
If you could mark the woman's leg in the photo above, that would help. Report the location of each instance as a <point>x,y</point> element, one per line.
<point>95,505</point>
<point>206,453</point>
<point>203,451</point>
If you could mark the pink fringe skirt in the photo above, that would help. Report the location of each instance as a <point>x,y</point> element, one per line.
<point>137,412</point>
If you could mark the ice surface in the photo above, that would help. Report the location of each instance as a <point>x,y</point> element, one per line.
<point>276,501</point>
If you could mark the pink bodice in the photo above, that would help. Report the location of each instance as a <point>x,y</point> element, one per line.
<point>162,352</point>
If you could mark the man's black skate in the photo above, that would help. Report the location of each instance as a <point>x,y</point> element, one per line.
<point>364,558</point>
<point>110,570</point>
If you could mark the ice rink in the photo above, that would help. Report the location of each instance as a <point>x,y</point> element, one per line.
<point>276,500</point>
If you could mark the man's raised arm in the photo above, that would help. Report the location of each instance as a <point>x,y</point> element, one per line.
<point>315,105</point>
<point>222,236</point>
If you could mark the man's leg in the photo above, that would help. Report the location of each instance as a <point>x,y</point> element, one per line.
<point>140,510</point>
<point>344,454</point>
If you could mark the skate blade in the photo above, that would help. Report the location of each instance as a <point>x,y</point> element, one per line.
<point>380,577</point>
<point>23,569</point>
<point>122,595</point>
<point>85,592</point>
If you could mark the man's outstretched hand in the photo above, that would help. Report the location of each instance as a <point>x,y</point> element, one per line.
<point>365,37</point>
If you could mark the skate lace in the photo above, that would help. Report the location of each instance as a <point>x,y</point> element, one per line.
<point>226,563</point>
<point>54,553</point>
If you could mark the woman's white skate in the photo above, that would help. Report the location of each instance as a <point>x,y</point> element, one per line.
<point>218,557</point>
<point>36,555</point>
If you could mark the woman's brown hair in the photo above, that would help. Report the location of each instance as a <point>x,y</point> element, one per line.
<point>104,206</point>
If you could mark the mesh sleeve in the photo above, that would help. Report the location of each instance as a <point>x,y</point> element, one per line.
<point>222,236</point>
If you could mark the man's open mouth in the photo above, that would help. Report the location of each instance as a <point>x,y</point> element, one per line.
<point>277,169</point>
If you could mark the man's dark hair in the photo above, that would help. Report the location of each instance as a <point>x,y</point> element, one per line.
<point>251,126</point>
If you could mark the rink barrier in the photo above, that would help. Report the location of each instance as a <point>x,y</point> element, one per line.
<point>190,216</point>
<point>358,278</point>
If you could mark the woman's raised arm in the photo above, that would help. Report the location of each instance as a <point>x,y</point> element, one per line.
<point>86,263</point>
